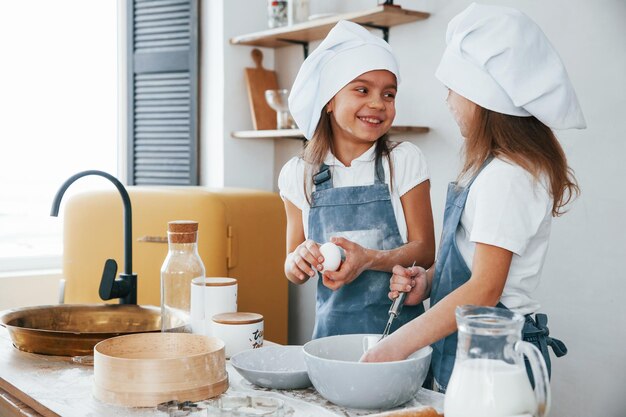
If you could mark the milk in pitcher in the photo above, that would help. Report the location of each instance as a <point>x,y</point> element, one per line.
<point>488,388</point>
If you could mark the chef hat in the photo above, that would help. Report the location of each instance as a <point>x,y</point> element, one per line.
<point>500,59</point>
<point>348,51</point>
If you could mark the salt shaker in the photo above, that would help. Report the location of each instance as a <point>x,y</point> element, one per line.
<point>182,264</point>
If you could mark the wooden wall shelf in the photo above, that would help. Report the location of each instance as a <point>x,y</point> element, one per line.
<point>381,17</point>
<point>297,134</point>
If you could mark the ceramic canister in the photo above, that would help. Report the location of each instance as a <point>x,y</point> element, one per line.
<point>211,296</point>
<point>239,331</point>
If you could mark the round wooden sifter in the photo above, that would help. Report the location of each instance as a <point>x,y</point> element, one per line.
<point>144,370</point>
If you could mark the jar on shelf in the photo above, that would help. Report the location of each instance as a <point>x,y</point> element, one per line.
<point>277,13</point>
<point>182,264</point>
<point>297,11</point>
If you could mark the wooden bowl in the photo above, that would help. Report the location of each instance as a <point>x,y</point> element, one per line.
<point>144,370</point>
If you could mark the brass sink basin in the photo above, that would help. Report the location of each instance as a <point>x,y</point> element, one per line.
<point>74,329</point>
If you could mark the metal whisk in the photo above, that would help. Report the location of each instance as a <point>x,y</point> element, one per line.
<point>394,311</point>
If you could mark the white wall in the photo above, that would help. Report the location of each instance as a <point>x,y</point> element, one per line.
<point>583,281</point>
<point>29,288</point>
<point>224,104</point>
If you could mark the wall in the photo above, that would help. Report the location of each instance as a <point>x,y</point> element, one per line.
<point>29,288</point>
<point>583,280</point>
<point>224,103</point>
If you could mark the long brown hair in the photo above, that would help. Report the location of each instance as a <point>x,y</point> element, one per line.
<point>316,149</point>
<point>526,142</point>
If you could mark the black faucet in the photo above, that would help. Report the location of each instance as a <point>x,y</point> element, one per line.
<point>124,288</point>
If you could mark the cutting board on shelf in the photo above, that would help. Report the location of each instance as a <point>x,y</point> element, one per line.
<point>258,79</point>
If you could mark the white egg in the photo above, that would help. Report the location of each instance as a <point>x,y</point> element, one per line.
<point>332,256</point>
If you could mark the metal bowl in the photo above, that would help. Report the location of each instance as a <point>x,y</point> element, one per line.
<point>334,368</point>
<point>74,329</point>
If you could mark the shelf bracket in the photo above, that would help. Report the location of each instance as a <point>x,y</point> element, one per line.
<point>385,30</point>
<point>305,45</point>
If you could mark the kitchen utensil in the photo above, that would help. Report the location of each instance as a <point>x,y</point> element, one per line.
<point>245,406</point>
<point>489,376</point>
<point>277,99</point>
<point>74,329</point>
<point>276,367</point>
<point>336,373</point>
<point>394,311</point>
<point>144,370</point>
<point>259,80</point>
<point>185,408</point>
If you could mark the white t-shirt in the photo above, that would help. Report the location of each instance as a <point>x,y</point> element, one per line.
<point>507,208</point>
<point>409,170</point>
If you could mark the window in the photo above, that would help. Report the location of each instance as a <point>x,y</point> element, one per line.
<point>58,116</point>
<point>163,103</point>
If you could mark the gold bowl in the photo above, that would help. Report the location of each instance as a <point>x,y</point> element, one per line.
<point>74,329</point>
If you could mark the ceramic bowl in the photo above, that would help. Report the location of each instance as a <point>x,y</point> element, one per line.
<point>277,367</point>
<point>336,373</point>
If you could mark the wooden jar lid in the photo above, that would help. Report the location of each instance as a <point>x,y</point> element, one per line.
<point>182,231</point>
<point>215,282</point>
<point>237,318</point>
<point>182,226</point>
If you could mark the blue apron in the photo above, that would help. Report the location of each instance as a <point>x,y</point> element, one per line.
<point>451,272</point>
<point>362,214</point>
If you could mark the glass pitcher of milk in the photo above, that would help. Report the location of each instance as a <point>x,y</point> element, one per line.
<point>489,378</point>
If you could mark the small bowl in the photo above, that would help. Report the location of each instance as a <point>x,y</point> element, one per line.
<point>277,367</point>
<point>278,99</point>
<point>336,373</point>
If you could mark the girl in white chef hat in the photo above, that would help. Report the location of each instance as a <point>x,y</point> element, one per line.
<point>352,185</point>
<point>507,90</point>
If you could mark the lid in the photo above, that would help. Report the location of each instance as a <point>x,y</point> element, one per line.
<point>182,231</point>
<point>182,226</point>
<point>214,282</point>
<point>237,318</point>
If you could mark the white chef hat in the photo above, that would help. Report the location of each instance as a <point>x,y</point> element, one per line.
<point>348,51</point>
<point>500,59</point>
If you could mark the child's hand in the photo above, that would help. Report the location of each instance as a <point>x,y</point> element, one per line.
<point>304,260</point>
<point>387,350</point>
<point>411,281</point>
<point>356,262</point>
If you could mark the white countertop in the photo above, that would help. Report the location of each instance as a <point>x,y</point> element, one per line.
<point>54,385</point>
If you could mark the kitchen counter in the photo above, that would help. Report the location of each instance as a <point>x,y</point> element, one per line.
<point>52,386</point>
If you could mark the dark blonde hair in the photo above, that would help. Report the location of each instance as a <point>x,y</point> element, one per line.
<point>316,149</point>
<point>526,142</point>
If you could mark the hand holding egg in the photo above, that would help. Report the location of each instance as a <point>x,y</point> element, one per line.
<point>332,256</point>
<point>355,260</point>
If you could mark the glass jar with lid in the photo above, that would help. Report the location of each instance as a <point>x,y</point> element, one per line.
<point>182,264</point>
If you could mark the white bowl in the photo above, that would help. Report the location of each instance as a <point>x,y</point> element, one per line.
<point>277,367</point>
<point>336,373</point>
